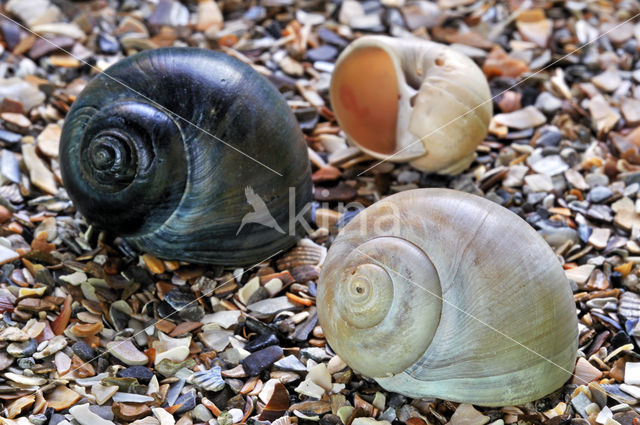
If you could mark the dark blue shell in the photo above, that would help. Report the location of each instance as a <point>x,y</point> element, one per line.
<point>161,148</point>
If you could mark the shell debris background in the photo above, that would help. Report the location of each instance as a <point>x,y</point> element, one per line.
<point>85,317</point>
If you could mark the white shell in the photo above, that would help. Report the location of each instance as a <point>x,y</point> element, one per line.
<point>444,102</point>
<point>434,292</point>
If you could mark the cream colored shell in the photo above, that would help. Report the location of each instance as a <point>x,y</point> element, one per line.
<point>444,103</point>
<point>434,292</point>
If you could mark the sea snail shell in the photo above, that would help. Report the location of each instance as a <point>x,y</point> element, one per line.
<point>411,100</point>
<point>156,149</point>
<point>439,293</point>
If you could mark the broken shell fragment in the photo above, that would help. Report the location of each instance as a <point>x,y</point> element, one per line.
<point>411,100</point>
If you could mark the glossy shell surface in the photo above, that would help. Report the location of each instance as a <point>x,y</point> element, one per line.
<point>439,293</point>
<point>172,148</point>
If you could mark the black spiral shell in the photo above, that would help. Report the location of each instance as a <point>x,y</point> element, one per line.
<point>165,148</point>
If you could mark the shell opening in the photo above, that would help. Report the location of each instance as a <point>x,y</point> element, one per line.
<point>364,94</point>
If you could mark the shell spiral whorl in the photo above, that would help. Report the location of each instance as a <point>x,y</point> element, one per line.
<point>171,148</point>
<point>461,299</point>
<point>131,153</point>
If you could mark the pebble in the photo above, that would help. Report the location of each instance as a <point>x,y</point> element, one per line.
<point>200,414</point>
<point>551,165</point>
<point>539,182</point>
<point>209,380</point>
<point>534,26</point>
<point>262,359</point>
<point>39,419</point>
<point>630,110</point>
<point>18,90</point>
<point>575,179</point>
<point>580,274</point>
<point>54,345</point>
<point>25,380</point>
<point>617,32</point>
<point>169,368</point>
<point>174,392</point>
<point>271,306</point>
<point>9,137</point>
<point>408,177</point>
<point>515,176</point>
<point>127,353</point>
<point>174,349</point>
<point>130,411</point>
<point>84,416</point>
<point>170,13</point>
<point>604,414</point>
<point>608,81</point>
<point>62,29</point>
<point>466,414</point>
<point>22,349</point>
<point>632,373</point>
<point>108,44</point>
<point>599,237</point>
<point>603,115</point>
<point>131,398</point>
<point>548,103</point>
<point>209,17</point>
<point>585,372</point>
<point>225,318</point>
<point>40,175</point>
<point>179,299</point>
<point>13,334</point>
<point>626,417</point>
<point>103,393</point>
<point>319,375</point>
<point>331,37</point>
<point>155,265</point>
<point>187,402</point>
<point>186,304</point>
<point>599,194</point>
<point>34,11</point>
<point>141,373</point>
<point>163,416</point>
<point>549,138</point>
<point>83,350</point>
<point>632,390</point>
<point>16,121</point>
<point>216,340</point>
<point>246,292</point>
<point>325,53</point>
<point>290,363</point>
<point>260,342</point>
<point>580,402</point>
<point>525,118</point>
<point>62,398</point>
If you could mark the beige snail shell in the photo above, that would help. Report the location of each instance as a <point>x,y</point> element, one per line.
<point>411,100</point>
<point>439,293</point>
